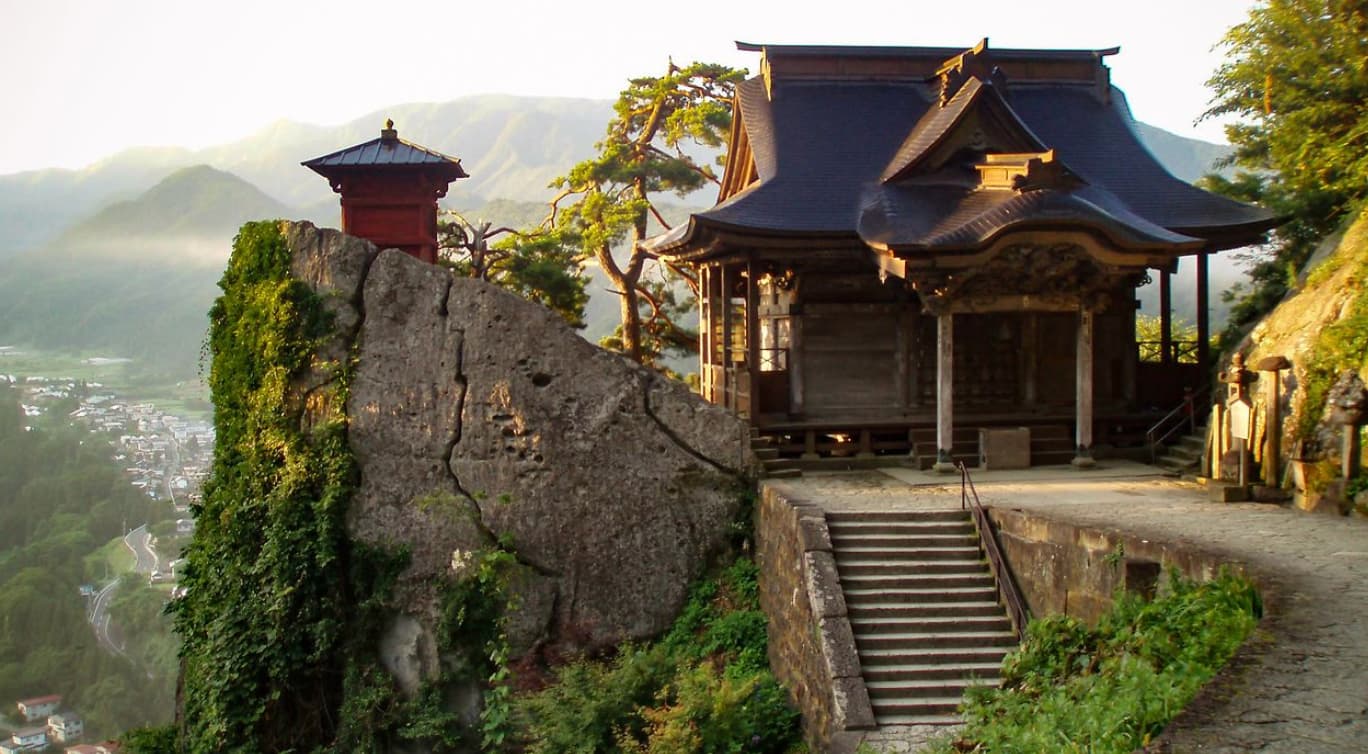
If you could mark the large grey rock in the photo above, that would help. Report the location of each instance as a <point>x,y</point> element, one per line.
<point>477,416</point>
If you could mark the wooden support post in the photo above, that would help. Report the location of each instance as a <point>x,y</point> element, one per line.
<point>705,332</point>
<point>945,392</point>
<point>1083,383</point>
<point>1203,317</point>
<point>795,361</point>
<point>1165,317</point>
<point>810,445</point>
<point>728,386</point>
<point>1130,361</point>
<point>902,367</point>
<point>752,340</point>
<point>866,446</point>
<point>1030,354</point>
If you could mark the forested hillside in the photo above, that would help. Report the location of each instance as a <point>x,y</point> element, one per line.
<point>62,499</point>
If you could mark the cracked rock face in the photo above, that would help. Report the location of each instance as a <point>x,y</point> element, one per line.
<point>476,415</point>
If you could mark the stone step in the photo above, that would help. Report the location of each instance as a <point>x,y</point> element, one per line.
<point>765,452</point>
<point>911,540</point>
<point>943,514</point>
<point>1178,451</point>
<point>1193,445</point>
<point>919,581</point>
<point>910,641</point>
<point>910,690</point>
<point>858,551</point>
<point>877,609</point>
<point>931,671</point>
<point>857,566</point>
<point>873,594</point>
<point>885,657</point>
<point>886,710</point>
<point>851,535</point>
<point>943,624</point>
<point>920,720</point>
<point>783,473</point>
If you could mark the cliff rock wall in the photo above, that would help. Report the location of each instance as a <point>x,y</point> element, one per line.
<point>477,417</point>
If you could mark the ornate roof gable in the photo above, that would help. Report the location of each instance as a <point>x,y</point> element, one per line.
<point>976,117</point>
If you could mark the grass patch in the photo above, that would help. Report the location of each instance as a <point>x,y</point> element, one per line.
<point>704,687</point>
<point>1109,688</point>
<point>110,561</point>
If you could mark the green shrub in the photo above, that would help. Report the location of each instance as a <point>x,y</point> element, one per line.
<point>704,687</point>
<point>716,713</point>
<point>1071,688</point>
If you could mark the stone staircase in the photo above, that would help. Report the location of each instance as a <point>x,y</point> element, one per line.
<point>923,606</point>
<point>1183,456</point>
<point>772,466</point>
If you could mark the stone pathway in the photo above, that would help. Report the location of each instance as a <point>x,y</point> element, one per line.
<point>1300,686</point>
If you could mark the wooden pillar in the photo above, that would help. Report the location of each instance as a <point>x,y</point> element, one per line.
<point>704,332</point>
<point>945,391</point>
<point>795,360</point>
<point>752,341</point>
<point>1083,383</point>
<point>902,362</point>
<point>1130,361</point>
<point>727,388</point>
<point>1203,317</point>
<point>1030,354</point>
<point>1165,317</point>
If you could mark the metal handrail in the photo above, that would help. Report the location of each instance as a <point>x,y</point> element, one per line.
<point>1184,414</point>
<point>1007,590</point>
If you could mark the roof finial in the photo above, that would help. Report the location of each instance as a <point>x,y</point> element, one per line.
<point>388,134</point>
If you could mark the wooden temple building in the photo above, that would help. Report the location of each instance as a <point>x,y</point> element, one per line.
<point>390,189</point>
<point>913,244</point>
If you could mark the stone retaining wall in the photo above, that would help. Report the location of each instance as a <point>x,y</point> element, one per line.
<point>811,646</point>
<point>1063,568</point>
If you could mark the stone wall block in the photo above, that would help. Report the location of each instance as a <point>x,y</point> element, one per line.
<point>852,709</point>
<point>824,585</point>
<point>838,647</point>
<point>814,534</point>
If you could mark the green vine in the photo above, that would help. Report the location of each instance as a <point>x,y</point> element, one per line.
<point>269,600</point>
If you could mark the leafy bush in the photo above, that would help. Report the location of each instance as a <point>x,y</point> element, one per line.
<point>705,687</point>
<point>1071,688</point>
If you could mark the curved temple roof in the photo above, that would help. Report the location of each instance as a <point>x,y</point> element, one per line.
<point>875,152</point>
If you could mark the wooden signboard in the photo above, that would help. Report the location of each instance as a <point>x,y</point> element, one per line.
<point>1241,419</point>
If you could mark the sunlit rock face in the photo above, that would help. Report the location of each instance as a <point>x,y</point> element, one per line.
<point>476,417</point>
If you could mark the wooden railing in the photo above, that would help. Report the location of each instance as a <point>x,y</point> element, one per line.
<point>1007,590</point>
<point>1180,351</point>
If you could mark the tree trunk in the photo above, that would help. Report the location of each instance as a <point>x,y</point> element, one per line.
<point>631,323</point>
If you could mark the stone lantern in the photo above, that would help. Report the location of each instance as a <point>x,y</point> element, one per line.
<point>390,189</point>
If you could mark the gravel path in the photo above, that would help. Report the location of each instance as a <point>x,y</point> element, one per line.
<point>1300,685</point>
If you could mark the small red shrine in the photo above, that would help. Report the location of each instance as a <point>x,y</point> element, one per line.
<point>389,190</point>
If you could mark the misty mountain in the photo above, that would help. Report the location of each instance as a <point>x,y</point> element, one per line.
<point>132,246</point>
<point>511,146</point>
<point>137,277</point>
<point>198,205</point>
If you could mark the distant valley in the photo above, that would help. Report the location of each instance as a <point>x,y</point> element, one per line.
<point>123,256</point>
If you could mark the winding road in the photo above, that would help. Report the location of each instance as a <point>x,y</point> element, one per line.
<point>138,542</point>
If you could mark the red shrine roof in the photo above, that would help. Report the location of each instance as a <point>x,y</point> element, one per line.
<point>893,148</point>
<point>387,151</point>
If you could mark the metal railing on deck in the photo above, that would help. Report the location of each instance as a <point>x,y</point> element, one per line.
<point>1007,590</point>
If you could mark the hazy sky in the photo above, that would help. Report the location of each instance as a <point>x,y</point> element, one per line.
<point>82,80</point>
